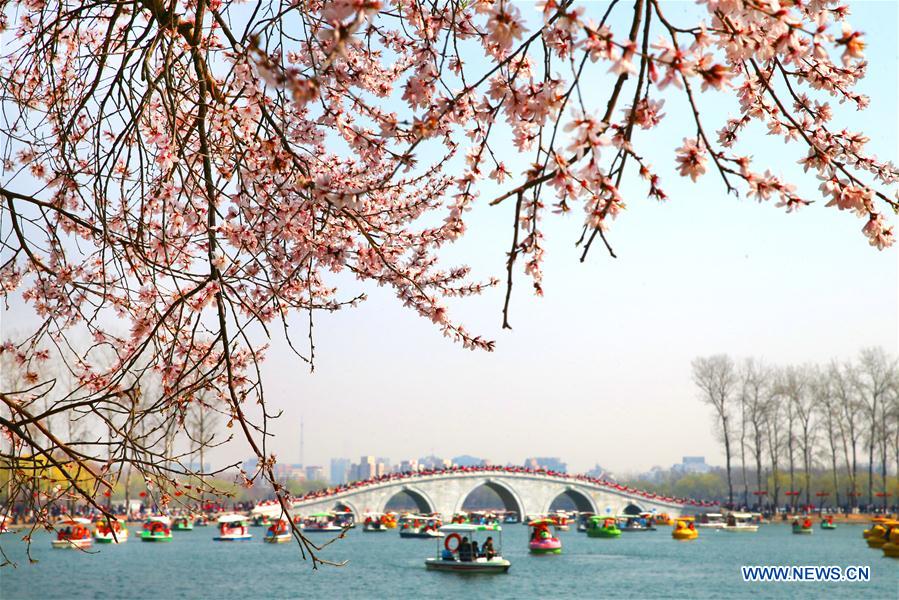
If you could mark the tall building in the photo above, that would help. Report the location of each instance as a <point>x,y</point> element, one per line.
<point>249,465</point>
<point>315,473</point>
<point>383,464</point>
<point>599,472</point>
<point>285,472</point>
<point>550,463</point>
<point>469,461</point>
<point>692,464</point>
<point>434,462</point>
<point>340,470</point>
<point>366,469</point>
<point>408,466</point>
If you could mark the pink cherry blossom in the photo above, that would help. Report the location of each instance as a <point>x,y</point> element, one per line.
<point>692,158</point>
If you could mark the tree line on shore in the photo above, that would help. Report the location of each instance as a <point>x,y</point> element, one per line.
<point>818,430</point>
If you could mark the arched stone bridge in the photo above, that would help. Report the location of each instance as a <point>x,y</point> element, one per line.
<point>526,493</point>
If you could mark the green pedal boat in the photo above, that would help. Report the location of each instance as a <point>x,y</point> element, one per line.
<point>156,529</point>
<point>602,527</point>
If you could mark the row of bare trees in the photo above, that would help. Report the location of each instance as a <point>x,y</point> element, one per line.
<point>134,442</point>
<point>841,418</point>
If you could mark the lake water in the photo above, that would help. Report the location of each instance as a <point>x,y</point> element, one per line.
<point>382,565</point>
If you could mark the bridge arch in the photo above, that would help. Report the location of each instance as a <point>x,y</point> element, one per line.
<point>581,501</point>
<point>341,505</point>
<point>631,509</point>
<point>423,502</point>
<point>510,498</point>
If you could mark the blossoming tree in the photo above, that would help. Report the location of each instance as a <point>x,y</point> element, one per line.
<point>197,169</point>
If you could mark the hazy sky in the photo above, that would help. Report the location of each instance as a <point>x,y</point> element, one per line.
<point>598,370</point>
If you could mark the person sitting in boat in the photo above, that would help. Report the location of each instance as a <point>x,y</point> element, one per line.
<point>465,550</point>
<point>487,549</point>
<point>475,552</point>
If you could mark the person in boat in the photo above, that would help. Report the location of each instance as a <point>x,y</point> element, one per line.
<point>488,550</point>
<point>475,552</point>
<point>465,550</point>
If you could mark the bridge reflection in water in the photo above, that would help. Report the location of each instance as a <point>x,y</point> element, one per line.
<point>522,491</point>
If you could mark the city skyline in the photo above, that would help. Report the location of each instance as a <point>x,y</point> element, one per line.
<point>343,469</point>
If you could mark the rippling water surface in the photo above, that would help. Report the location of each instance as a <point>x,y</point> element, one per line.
<point>381,565</point>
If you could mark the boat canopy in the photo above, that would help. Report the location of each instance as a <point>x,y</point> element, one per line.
<point>536,522</point>
<point>159,518</point>
<point>684,518</point>
<point>74,520</point>
<point>232,518</point>
<point>112,520</point>
<point>265,509</point>
<point>714,515</point>
<point>742,515</point>
<point>320,515</point>
<point>469,527</point>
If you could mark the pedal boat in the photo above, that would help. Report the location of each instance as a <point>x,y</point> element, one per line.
<point>684,529</point>
<point>73,532</point>
<point>156,529</point>
<point>803,528</point>
<point>874,523</point>
<point>602,527</point>
<point>418,526</point>
<point>740,522</point>
<point>374,523</point>
<point>561,522</point>
<point>542,540</point>
<point>321,523</point>
<point>635,523</point>
<point>104,534</point>
<point>233,528</point>
<point>662,519</point>
<point>451,556</point>
<point>278,532</point>
<point>261,521</point>
<point>891,547</point>
<point>710,521</point>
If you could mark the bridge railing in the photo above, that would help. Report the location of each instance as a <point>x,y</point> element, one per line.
<point>394,479</point>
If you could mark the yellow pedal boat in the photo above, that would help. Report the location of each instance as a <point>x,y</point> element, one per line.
<point>684,529</point>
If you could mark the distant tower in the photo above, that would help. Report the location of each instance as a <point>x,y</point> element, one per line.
<point>301,442</point>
